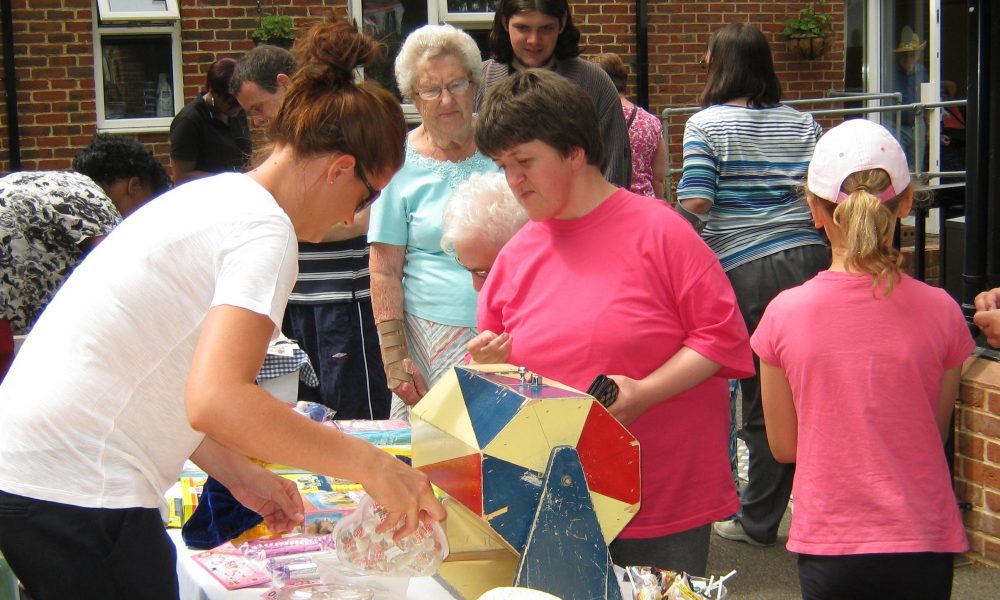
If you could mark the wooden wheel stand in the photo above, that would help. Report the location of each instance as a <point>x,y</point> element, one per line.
<point>538,478</point>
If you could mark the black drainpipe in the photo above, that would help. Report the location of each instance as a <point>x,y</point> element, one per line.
<point>10,86</point>
<point>981,175</point>
<point>642,53</point>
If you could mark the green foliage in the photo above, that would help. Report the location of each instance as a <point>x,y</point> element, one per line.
<point>809,23</point>
<point>272,27</point>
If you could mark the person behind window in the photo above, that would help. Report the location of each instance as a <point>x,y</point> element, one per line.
<point>50,219</point>
<point>329,311</point>
<point>148,353</point>
<point>745,155</point>
<point>905,77</point>
<point>602,281</point>
<point>424,307</point>
<point>529,34</point>
<point>210,135</point>
<point>645,134</point>
<point>860,368</point>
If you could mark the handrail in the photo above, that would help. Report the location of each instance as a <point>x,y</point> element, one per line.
<point>921,177</point>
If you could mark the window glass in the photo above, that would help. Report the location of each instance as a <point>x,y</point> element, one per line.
<point>391,21</point>
<point>904,68</point>
<point>135,70</point>
<point>132,10</point>
<point>467,6</point>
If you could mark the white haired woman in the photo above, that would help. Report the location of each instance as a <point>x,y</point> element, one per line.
<point>480,217</point>
<point>420,295</point>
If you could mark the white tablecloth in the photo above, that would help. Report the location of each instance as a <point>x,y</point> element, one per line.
<point>198,584</point>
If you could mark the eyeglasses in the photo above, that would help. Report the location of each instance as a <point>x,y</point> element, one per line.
<point>373,194</point>
<point>703,63</point>
<point>455,88</point>
<point>480,273</point>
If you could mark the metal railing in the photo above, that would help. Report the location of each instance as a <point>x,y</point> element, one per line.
<point>947,197</point>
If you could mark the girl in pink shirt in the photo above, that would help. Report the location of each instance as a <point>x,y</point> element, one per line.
<point>860,368</point>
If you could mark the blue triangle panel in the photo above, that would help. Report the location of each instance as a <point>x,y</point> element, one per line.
<point>490,406</point>
<point>565,554</point>
<point>510,486</point>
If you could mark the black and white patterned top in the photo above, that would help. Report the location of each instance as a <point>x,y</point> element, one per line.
<point>44,216</point>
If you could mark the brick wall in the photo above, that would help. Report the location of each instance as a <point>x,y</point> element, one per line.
<point>53,46</point>
<point>677,35</point>
<point>55,62</point>
<point>977,457</point>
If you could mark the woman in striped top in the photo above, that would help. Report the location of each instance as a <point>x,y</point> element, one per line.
<point>745,156</point>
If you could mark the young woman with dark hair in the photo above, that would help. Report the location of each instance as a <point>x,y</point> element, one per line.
<point>530,34</point>
<point>745,156</point>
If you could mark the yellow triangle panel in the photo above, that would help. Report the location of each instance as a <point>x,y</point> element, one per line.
<point>444,407</point>
<point>613,515</point>
<point>431,445</point>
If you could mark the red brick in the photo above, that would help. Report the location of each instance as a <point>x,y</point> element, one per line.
<point>992,498</point>
<point>972,396</point>
<point>993,452</point>
<point>971,446</point>
<point>979,472</point>
<point>985,424</point>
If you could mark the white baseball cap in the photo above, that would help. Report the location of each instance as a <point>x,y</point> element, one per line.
<point>856,145</point>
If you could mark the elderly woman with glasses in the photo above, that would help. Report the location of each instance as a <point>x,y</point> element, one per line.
<point>211,134</point>
<point>423,304</point>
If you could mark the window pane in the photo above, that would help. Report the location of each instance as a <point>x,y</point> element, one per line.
<point>138,5</point>
<point>390,21</point>
<point>904,65</point>
<point>469,6</point>
<point>134,67</point>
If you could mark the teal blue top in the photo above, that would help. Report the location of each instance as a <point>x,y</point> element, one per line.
<point>409,213</point>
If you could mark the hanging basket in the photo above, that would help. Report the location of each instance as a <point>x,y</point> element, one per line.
<point>808,48</point>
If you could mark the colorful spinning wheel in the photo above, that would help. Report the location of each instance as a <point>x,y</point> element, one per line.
<point>484,435</point>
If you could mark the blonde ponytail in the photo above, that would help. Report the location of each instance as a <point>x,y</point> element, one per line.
<point>867,226</point>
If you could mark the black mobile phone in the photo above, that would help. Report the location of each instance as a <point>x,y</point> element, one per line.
<point>605,390</point>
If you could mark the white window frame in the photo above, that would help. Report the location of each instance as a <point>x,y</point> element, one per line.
<point>110,15</point>
<point>464,20</point>
<point>437,14</point>
<point>136,28</point>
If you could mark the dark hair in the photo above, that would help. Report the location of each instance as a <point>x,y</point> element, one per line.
<point>217,78</point>
<point>324,109</point>
<point>262,65</point>
<point>112,158</point>
<point>538,104</point>
<point>740,65</point>
<point>616,69</point>
<point>567,45</point>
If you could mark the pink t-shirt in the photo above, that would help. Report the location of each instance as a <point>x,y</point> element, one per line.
<point>644,136</point>
<point>871,473</point>
<point>619,291</point>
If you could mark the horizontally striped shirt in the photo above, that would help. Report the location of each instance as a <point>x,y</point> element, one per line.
<point>332,272</point>
<point>750,163</point>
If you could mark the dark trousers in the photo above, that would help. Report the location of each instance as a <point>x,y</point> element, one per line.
<point>60,551</point>
<point>905,576</point>
<point>763,500</point>
<point>342,343</point>
<point>684,551</point>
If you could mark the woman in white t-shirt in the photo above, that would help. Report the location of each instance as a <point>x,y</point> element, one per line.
<point>147,356</point>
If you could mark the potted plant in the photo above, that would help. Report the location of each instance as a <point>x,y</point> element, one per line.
<point>277,30</point>
<point>807,33</point>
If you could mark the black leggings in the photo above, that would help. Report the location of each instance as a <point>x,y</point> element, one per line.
<point>61,551</point>
<point>909,576</point>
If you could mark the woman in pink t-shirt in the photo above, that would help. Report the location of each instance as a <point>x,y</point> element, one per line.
<point>860,368</point>
<point>603,281</point>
